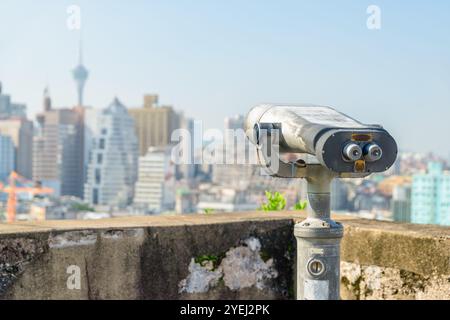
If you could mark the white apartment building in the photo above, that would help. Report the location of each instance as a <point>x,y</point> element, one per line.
<point>112,169</point>
<point>155,188</point>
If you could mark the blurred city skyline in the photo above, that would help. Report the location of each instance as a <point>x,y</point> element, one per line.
<point>212,60</point>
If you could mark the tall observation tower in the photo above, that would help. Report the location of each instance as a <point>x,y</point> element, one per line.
<point>80,75</point>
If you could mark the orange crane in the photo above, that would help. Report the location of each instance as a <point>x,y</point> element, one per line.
<point>12,190</point>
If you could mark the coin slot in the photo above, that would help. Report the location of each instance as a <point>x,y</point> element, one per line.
<point>316,267</point>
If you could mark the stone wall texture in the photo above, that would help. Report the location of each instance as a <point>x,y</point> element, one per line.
<point>227,256</point>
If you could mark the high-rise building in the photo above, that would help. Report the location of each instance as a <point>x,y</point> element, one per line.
<point>20,130</point>
<point>13,123</point>
<point>80,75</point>
<point>112,169</point>
<point>430,196</point>
<point>9,109</point>
<point>401,203</point>
<point>7,157</point>
<point>154,124</point>
<point>90,132</point>
<point>155,188</point>
<point>5,103</point>
<point>58,149</point>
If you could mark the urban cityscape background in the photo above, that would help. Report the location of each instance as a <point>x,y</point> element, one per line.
<point>88,162</point>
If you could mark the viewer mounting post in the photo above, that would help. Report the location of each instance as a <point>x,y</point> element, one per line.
<point>337,146</point>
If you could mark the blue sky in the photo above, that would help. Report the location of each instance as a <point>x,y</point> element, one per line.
<point>218,58</point>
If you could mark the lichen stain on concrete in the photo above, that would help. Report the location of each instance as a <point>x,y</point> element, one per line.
<point>15,254</point>
<point>351,271</point>
<point>200,278</point>
<point>242,267</point>
<point>73,238</point>
<point>373,276</point>
<point>375,282</point>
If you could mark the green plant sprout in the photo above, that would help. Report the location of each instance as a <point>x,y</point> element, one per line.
<point>208,211</point>
<point>275,202</point>
<point>300,205</point>
<point>214,259</point>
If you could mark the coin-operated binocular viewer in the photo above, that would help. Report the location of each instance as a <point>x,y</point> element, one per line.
<point>337,147</point>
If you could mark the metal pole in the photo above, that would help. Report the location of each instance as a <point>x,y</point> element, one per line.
<point>318,242</point>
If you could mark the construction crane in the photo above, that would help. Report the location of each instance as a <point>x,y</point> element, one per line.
<point>12,190</point>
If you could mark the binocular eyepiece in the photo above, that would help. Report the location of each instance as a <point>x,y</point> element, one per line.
<point>369,151</point>
<point>352,152</point>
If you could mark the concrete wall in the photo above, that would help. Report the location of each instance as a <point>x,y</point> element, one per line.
<point>227,256</point>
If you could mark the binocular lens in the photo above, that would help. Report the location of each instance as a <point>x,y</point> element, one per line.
<point>352,152</point>
<point>372,152</point>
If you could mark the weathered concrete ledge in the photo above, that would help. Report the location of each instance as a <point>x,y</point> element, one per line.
<point>238,256</point>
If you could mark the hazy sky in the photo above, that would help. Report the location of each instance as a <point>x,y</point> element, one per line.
<point>218,58</point>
